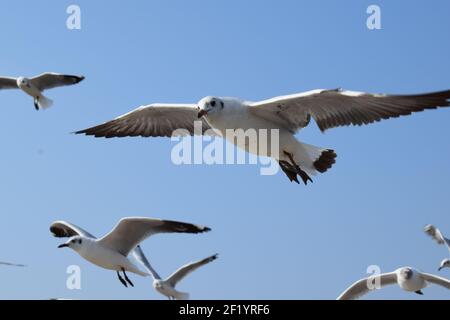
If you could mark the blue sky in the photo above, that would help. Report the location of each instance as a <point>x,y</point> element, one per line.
<point>276,240</point>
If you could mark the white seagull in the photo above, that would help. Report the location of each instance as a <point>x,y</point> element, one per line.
<point>436,234</point>
<point>35,86</point>
<point>112,250</point>
<point>167,287</point>
<point>407,278</point>
<point>288,114</point>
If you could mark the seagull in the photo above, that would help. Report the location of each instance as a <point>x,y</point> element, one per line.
<point>2,263</point>
<point>36,85</point>
<point>112,250</point>
<point>436,234</point>
<point>287,114</point>
<point>167,287</point>
<point>408,279</point>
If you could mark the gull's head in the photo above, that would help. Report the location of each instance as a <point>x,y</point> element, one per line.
<point>74,243</point>
<point>22,81</point>
<point>444,264</point>
<point>210,105</point>
<point>406,273</point>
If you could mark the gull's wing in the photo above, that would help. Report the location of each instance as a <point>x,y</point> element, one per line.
<point>63,229</point>
<point>182,272</point>
<point>155,120</point>
<point>360,288</point>
<point>130,232</point>
<point>436,234</point>
<point>431,278</point>
<point>8,83</point>
<point>2,263</point>
<point>334,108</point>
<point>140,256</point>
<point>51,80</point>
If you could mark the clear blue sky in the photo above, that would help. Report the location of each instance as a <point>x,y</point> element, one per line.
<point>276,240</point>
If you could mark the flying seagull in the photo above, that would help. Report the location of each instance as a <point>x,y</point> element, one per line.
<point>167,287</point>
<point>407,278</point>
<point>288,114</point>
<point>2,263</point>
<point>436,234</point>
<point>112,250</point>
<point>35,86</point>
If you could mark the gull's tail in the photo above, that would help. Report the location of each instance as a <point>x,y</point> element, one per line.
<point>306,160</point>
<point>43,102</point>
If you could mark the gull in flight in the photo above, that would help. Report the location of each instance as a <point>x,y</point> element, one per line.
<point>112,250</point>
<point>407,278</point>
<point>2,263</point>
<point>35,86</point>
<point>287,114</point>
<point>436,234</point>
<point>167,287</point>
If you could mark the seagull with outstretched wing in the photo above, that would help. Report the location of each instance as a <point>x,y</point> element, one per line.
<point>287,114</point>
<point>407,278</point>
<point>36,85</point>
<point>112,250</point>
<point>167,287</point>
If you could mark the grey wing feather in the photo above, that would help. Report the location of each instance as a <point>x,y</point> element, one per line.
<point>182,272</point>
<point>8,83</point>
<point>155,120</point>
<point>140,256</point>
<point>334,108</point>
<point>360,287</point>
<point>63,229</point>
<point>51,80</point>
<point>130,232</point>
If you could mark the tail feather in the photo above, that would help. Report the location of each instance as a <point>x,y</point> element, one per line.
<point>306,160</point>
<point>43,102</point>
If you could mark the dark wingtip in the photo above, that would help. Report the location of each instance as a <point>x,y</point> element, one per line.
<point>206,229</point>
<point>77,79</point>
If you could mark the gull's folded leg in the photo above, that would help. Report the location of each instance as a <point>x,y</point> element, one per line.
<point>126,278</point>
<point>121,279</point>
<point>36,106</point>
<point>292,170</point>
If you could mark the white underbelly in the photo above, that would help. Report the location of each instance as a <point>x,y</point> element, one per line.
<point>258,136</point>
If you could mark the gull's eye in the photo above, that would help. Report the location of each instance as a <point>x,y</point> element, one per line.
<point>213,103</point>
<point>79,241</point>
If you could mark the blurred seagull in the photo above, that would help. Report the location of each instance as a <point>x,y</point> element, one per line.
<point>167,287</point>
<point>2,263</point>
<point>112,250</point>
<point>407,278</point>
<point>287,114</point>
<point>35,86</point>
<point>436,234</point>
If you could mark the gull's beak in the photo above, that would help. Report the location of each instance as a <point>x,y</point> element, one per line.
<point>201,113</point>
<point>63,245</point>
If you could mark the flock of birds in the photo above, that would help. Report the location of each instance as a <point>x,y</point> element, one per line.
<point>287,114</point>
